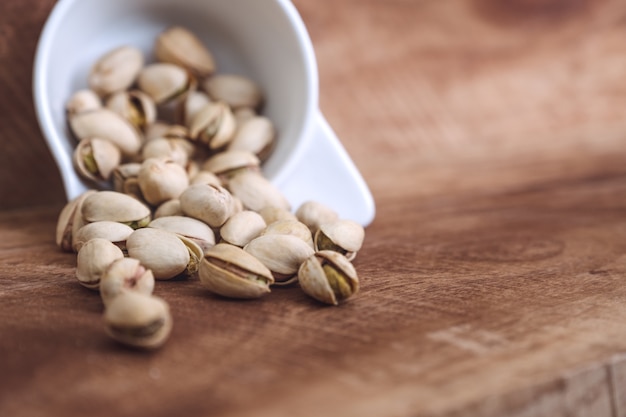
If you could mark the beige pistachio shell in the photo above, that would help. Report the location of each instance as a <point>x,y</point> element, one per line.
<point>290,227</point>
<point>135,106</point>
<point>242,227</point>
<point>273,214</point>
<point>255,191</point>
<point>281,254</point>
<point>124,172</point>
<point>138,320</point>
<point>209,203</point>
<point>83,101</point>
<point>159,250</point>
<point>193,229</point>
<point>343,236</point>
<point>256,135</point>
<point>169,208</point>
<point>93,259</point>
<point>114,232</point>
<point>237,91</point>
<point>205,177</point>
<point>243,114</point>
<point>178,150</point>
<point>163,81</point>
<point>117,207</point>
<point>187,108</point>
<point>314,214</point>
<point>328,277</point>
<point>158,129</point>
<point>125,274</point>
<point>116,70</point>
<point>181,47</point>
<point>161,180</point>
<point>106,124</point>
<point>213,125</point>
<point>223,163</point>
<point>196,254</point>
<point>70,214</point>
<point>229,271</point>
<point>95,159</point>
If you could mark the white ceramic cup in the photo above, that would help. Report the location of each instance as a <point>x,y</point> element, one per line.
<point>263,39</point>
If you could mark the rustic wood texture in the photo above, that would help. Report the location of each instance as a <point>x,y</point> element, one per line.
<point>492,135</point>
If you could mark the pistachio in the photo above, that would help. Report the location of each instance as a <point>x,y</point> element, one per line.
<point>93,259</point>
<point>226,164</point>
<point>117,207</point>
<point>196,253</point>
<point>213,125</point>
<point>123,173</point>
<point>187,108</point>
<point>195,230</point>
<point>156,130</point>
<point>176,149</point>
<point>83,101</point>
<point>161,180</point>
<point>209,203</point>
<point>114,232</point>
<point>255,191</point>
<point>255,135</point>
<point>314,214</point>
<point>159,250</point>
<point>69,215</point>
<point>95,159</point>
<point>290,227</point>
<point>135,106</point>
<point>164,82</point>
<point>281,254</point>
<point>205,177</point>
<point>138,320</point>
<point>242,227</point>
<point>122,275</point>
<point>328,277</point>
<point>343,236</point>
<point>106,124</point>
<point>243,114</point>
<point>116,70</point>
<point>236,90</point>
<point>273,214</point>
<point>229,271</point>
<point>181,47</point>
<point>169,208</point>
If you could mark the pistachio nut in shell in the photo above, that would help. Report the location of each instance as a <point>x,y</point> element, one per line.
<point>180,46</point>
<point>328,277</point>
<point>168,208</point>
<point>210,203</point>
<point>237,91</point>
<point>243,114</point>
<point>225,164</point>
<point>290,227</point>
<point>106,124</point>
<point>281,254</point>
<point>242,227</point>
<point>160,251</point>
<point>82,101</point>
<point>178,150</point>
<point>256,135</point>
<point>343,236</point>
<point>255,191</point>
<point>158,129</point>
<point>122,173</point>
<point>95,159</point>
<point>116,70</point>
<point>161,179</point>
<point>135,106</point>
<point>164,82</point>
<point>117,207</point>
<point>205,177</point>
<point>229,271</point>
<point>190,105</point>
<point>70,213</point>
<point>114,232</point>
<point>123,275</point>
<point>93,259</point>
<point>314,214</point>
<point>138,320</point>
<point>213,125</point>
<point>193,229</point>
<point>273,214</point>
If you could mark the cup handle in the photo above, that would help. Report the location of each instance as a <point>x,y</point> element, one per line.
<point>325,173</point>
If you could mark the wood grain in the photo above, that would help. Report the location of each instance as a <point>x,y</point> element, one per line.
<point>492,136</point>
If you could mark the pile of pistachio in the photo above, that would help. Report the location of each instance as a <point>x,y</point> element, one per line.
<point>177,150</point>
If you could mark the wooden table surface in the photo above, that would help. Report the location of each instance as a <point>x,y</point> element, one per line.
<point>493,137</point>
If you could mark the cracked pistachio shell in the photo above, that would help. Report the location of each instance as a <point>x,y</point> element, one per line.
<point>124,172</point>
<point>256,135</point>
<point>135,106</point>
<point>255,191</point>
<point>237,91</point>
<point>229,271</point>
<point>196,254</point>
<point>290,227</point>
<point>209,203</point>
<point>95,159</point>
<point>69,215</point>
<point>176,149</point>
<point>188,107</point>
<point>83,101</point>
<point>123,275</point>
<point>242,227</point>
<point>343,236</point>
<point>213,125</point>
<point>114,232</point>
<point>138,320</point>
<point>161,179</point>
<point>273,214</point>
<point>314,214</point>
<point>281,254</point>
<point>224,164</point>
<point>93,260</point>
<point>193,229</point>
<point>159,250</point>
<point>116,70</point>
<point>106,124</point>
<point>117,207</point>
<point>205,177</point>
<point>181,47</point>
<point>328,277</point>
<point>169,208</point>
<point>164,82</point>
